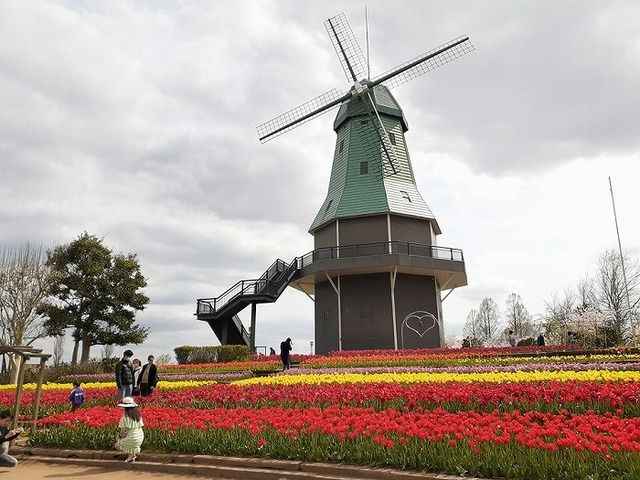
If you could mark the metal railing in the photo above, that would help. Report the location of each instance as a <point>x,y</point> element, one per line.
<point>273,281</point>
<point>381,248</point>
<point>265,285</point>
<point>243,331</point>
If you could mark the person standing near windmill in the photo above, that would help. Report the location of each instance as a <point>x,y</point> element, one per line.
<point>285,354</point>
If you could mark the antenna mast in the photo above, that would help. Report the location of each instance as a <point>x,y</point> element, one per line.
<point>366,22</point>
<point>624,273</point>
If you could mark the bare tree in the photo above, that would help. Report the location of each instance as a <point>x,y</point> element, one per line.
<point>472,329</point>
<point>488,320</point>
<point>58,350</point>
<point>517,317</point>
<point>617,298</point>
<point>586,294</point>
<point>25,281</point>
<point>557,311</point>
<point>164,359</point>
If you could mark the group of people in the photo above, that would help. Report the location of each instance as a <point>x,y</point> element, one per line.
<point>132,378</point>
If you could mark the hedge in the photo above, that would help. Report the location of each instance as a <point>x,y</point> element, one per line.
<point>211,354</point>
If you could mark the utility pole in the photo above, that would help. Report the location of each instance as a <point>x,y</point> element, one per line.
<point>624,273</point>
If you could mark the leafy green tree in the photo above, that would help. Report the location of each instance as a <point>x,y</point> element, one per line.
<point>97,295</point>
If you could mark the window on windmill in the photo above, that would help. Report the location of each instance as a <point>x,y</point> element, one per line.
<point>341,146</point>
<point>364,122</point>
<point>392,138</point>
<point>364,168</point>
<point>405,195</point>
<point>328,206</point>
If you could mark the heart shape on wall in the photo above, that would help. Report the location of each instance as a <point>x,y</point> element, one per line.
<point>420,322</point>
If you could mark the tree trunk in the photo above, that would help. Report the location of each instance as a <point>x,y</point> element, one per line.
<point>86,349</point>
<point>74,357</point>
<point>15,366</point>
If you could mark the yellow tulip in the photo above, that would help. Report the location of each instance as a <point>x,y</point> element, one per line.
<point>444,377</point>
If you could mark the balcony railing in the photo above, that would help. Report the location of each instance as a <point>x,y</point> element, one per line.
<point>277,276</point>
<point>381,248</point>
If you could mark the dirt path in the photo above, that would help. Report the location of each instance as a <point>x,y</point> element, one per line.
<point>31,470</point>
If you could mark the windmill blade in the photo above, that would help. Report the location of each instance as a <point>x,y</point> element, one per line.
<point>300,115</point>
<point>390,164</point>
<point>347,47</point>
<point>375,138</point>
<point>424,63</point>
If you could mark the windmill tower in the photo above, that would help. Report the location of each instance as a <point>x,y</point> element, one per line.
<point>376,271</point>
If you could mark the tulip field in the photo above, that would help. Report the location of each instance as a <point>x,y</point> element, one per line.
<point>525,413</point>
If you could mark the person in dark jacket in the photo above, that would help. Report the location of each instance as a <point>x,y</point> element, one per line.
<point>124,375</point>
<point>6,436</point>
<point>148,378</point>
<point>285,355</point>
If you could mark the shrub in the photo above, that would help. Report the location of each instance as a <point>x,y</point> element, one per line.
<point>210,354</point>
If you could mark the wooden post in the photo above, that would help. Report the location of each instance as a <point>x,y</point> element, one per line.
<point>19,384</point>
<point>36,398</point>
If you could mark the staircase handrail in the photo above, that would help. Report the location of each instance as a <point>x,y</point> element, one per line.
<point>243,331</point>
<point>254,286</point>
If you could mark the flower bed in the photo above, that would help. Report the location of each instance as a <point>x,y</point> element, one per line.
<point>269,364</point>
<point>444,377</point>
<point>409,358</point>
<point>493,414</point>
<point>166,377</point>
<point>530,445</point>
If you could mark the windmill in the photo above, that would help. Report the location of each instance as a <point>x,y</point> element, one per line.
<point>375,260</point>
<point>376,272</point>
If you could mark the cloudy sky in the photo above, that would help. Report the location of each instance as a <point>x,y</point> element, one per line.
<point>136,121</point>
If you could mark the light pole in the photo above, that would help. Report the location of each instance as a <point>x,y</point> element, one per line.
<point>624,273</point>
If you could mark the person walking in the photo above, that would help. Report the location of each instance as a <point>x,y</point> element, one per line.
<point>124,375</point>
<point>130,434</point>
<point>285,354</point>
<point>148,379</point>
<point>77,396</point>
<point>512,339</point>
<point>6,436</point>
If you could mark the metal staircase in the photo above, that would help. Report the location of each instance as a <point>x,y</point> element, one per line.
<point>222,312</point>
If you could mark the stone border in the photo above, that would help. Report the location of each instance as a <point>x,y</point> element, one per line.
<point>229,467</point>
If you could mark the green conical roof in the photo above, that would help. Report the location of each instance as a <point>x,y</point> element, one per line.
<point>361,182</point>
